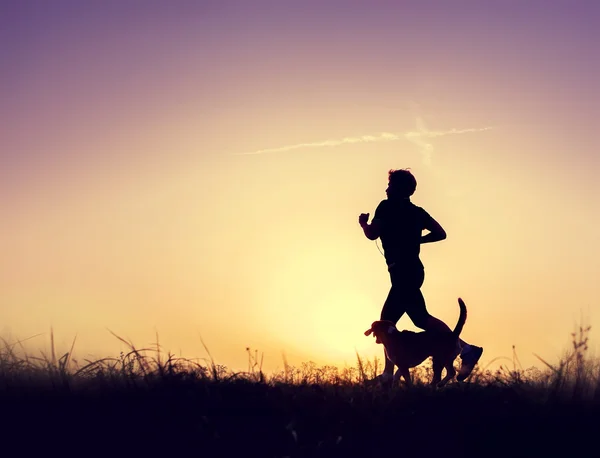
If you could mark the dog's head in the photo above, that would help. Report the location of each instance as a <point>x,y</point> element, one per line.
<point>379,328</point>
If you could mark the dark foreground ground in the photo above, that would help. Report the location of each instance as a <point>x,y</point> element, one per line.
<point>235,418</point>
<point>145,403</point>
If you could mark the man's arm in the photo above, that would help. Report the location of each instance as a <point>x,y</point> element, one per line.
<point>371,230</point>
<point>436,231</point>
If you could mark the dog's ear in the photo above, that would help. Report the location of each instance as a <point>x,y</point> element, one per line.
<point>368,332</point>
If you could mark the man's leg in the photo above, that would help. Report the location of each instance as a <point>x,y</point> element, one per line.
<point>392,310</point>
<point>417,309</point>
<point>421,318</point>
<point>432,323</point>
<point>400,298</point>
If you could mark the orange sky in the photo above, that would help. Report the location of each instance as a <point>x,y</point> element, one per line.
<point>128,202</point>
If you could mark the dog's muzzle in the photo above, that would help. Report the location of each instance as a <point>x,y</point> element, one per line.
<point>368,332</point>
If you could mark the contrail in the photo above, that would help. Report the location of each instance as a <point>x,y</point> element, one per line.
<point>384,136</point>
<point>417,137</point>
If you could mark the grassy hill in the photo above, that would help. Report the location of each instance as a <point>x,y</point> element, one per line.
<point>147,403</point>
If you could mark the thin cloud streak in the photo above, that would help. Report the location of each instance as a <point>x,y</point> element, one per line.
<point>416,137</point>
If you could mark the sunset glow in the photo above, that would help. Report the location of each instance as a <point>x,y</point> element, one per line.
<point>197,171</point>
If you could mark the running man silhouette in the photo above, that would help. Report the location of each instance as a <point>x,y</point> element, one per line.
<point>399,224</point>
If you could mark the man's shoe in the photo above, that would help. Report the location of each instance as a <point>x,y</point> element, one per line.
<point>469,360</point>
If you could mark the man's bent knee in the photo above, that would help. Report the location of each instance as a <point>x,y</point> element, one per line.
<point>423,321</point>
<point>435,324</point>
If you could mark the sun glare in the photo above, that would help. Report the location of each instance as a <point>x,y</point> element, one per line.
<point>340,319</point>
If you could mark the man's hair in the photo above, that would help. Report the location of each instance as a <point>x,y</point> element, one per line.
<point>403,181</point>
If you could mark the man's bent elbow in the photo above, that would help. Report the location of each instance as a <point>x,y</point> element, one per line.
<point>437,236</point>
<point>371,233</point>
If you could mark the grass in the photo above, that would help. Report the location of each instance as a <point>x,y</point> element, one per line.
<point>146,402</point>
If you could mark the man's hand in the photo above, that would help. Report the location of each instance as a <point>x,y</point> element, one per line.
<point>363,219</point>
<point>371,230</point>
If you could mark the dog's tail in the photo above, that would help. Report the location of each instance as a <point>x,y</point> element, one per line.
<point>461,319</point>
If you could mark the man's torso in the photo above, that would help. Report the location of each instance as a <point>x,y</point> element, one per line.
<point>401,226</point>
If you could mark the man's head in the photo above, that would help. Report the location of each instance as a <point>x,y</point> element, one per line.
<point>401,184</point>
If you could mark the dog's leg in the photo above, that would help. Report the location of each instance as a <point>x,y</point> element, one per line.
<point>437,372</point>
<point>450,373</point>
<point>403,372</point>
<point>397,376</point>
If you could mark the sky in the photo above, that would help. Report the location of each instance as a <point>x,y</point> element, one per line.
<point>194,170</point>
